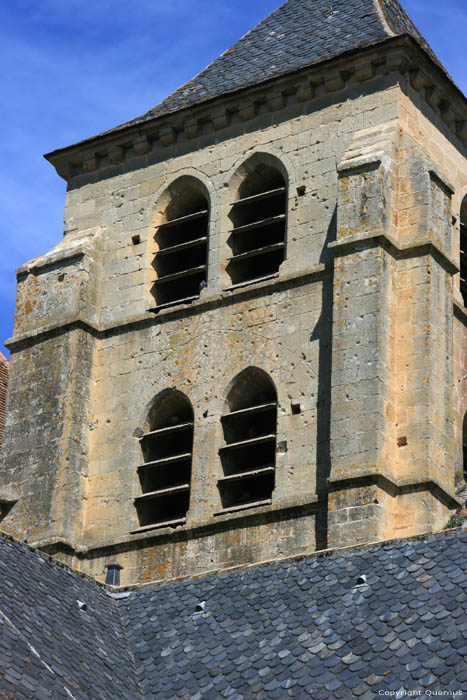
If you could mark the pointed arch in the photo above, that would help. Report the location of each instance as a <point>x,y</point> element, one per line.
<point>249,425</point>
<point>170,406</point>
<point>248,387</point>
<point>258,217</point>
<point>260,161</point>
<point>165,473</point>
<point>181,242</point>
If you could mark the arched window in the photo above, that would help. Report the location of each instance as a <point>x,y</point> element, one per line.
<point>249,455</point>
<point>463,250</point>
<point>257,239</point>
<point>165,474</point>
<point>182,245</point>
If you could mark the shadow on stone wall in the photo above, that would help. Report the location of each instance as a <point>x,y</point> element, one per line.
<point>323,334</point>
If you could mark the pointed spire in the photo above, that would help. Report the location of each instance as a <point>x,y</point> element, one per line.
<point>298,34</point>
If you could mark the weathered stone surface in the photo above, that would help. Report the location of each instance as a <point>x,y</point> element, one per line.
<point>355,330</point>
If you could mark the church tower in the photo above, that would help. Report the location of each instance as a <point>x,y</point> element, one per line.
<point>250,342</point>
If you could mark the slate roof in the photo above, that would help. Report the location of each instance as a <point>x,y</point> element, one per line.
<point>49,648</point>
<point>295,628</point>
<point>306,629</point>
<point>298,34</point>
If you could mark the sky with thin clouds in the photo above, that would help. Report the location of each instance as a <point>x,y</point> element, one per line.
<point>74,68</point>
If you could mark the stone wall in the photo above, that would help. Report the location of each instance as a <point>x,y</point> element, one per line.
<point>4,368</point>
<point>363,346</point>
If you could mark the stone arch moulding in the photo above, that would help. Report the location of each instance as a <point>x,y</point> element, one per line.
<point>459,197</point>
<point>252,370</point>
<point>163,194</point>
<point>248,455</point>
<point>164,473</point>
<point>255,219</point>
<point>243,165</point>
<point>168,397</point>
<point>178,241</point>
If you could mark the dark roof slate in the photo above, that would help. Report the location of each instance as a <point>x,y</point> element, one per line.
<point>49,648</point>
<point>298,34</point>
<point>293,628</point>
<point>400,23</point>
<point>306,629</point>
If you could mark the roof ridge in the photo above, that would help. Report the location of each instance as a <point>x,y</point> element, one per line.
<point>120,612</point>
<point>296,35</point>
<point>227,50</point>
<point>379,7</point>
<point>399,23</point>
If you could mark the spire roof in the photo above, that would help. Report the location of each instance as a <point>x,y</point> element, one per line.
<point>298,34</point>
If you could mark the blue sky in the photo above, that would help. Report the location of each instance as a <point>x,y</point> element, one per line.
<point>73,68</point>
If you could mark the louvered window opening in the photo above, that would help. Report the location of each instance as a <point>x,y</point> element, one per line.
<point>257,239</point>
<point>165,475</point>
<point>463,260</point>
<point>181,261</point>
<point>249,455</point>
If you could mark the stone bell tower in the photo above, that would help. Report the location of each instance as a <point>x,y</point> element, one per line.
<point>250,342</point>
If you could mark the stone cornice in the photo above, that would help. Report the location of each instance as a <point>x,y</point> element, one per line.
<point>350,243</point>
<point>215,523</point>
<point>223,297</point>
<point>388,481</point>
<point>400,54</point>
<point>269,513</point>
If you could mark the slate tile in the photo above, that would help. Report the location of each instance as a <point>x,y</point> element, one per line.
<point>206,643</point>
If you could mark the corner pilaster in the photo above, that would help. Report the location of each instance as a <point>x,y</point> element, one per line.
<point>45,450</point>
<point>391,418</point>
